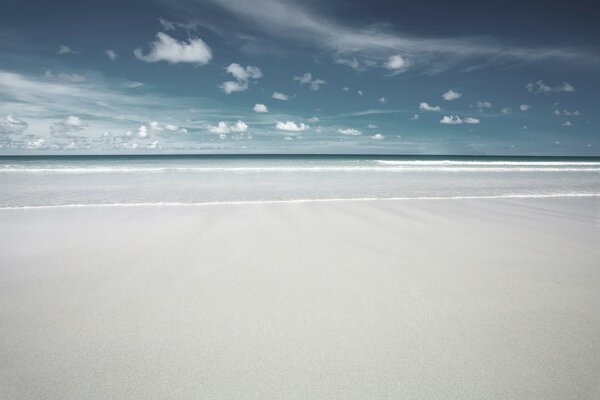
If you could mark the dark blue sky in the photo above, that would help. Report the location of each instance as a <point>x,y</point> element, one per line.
<point>463,77</point>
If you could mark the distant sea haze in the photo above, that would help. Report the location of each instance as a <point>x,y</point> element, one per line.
<point>201,180</point>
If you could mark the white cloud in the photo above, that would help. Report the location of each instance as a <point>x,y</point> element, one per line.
<point>280,96</point>
<point>377,136</point>
<point>153,145</point>
<point>350,132</point>
<point>575,113</point>
<point>36,144</point>
<point>62,49</point>
<point>524,107</point>
<point>481,104</point>
<point>239,127</point>
<point>506,110</point>
<point>291,126</point>
<point>313,119</point>
<point>222,127</point>
<point>423,106</point>
<point>396,63</point>
<point>382,100</point>
<point>451,95</point>
<point>360,93</point>
<point>567,123</point>
<point>111,54</point>
<point>451,120</point>
<point>415,117</point>
<point>165,48</point>
<point>470,120</point>
<point>142,131</point>
<point>260,108</point>
<point>12,125</point>
<point>352,63</point>
<point>64,77</point>
<point>307,78</point>
<point>67,126</point>
<point>541,87</point>
<point>242,77</point>
<point>345,89</point>
<point>372,126</point>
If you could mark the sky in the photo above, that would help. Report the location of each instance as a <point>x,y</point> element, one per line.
<point>285,76</point>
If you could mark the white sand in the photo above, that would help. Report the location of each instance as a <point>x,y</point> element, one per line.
<point>440,299</point>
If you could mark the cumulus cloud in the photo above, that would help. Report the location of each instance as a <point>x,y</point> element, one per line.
<point>291,126</point>
<point>506,110</point>
<point>36,144</point>
<point>372,126</point>
<point>481,104</point>
<point>396,64</point>
<point>541,87</point>
<point>166,48</point>
<point>223,127</point>
<point>575,113</point>
<point>567,123</point>
<point>62,49</point>
<point>524,107</point>
<point>111,54</point>
<point>382,100</point>
<point>352,63</point>
<point>423,106</point>
<point>142,131</point>
<point>260,108</point>
<point>360,93</point>
<point>451,95</point>
<point>307,78</point>
<point>12,125</point>
<point>67,126</point>
<point>345,89</point>
<point>313,119</point>
<point>349,132</point>
<point>377,136</point>
<point>456,120</point>
<point>242,77</point>
<point>280,96</point>
<point>415,117</point>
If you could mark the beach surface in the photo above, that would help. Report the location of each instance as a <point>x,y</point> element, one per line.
<point>416,299</point>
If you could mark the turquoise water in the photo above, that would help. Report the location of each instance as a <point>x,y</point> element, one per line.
<point>122,180</point>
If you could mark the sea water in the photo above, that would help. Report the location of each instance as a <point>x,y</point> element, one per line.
<point>69,181</point>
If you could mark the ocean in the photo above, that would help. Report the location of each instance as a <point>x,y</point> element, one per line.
<point>86,181</point>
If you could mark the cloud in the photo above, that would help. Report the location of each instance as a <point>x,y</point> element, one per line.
<point>111,54</point>
<point>524,107</point>
<point>372,126</point>
<point>242,77</point>
<point>142,131</point>
<point>396,63</point>
<point>349,132</point>
<point>352,63</point>
<point>295,20</point>
<point>423,106</point>
<point>64,77</point>
<point>540,87</point>
<point>567,123</point>
<point>377,136</point>
<point>345,89</point>
<point>451,95</point>
<point>456,120</point>
<point>67,126</point>
<point>280,96</point>
<point>481,104</point>
<point>575,113</point>
<point>382,100</point>
<point>313,119</point>
<point>307,78</point>
<point>222,127</point>
<point>62,49</point>
<point>12,125</point>
<point>291,126</point>
<point>360,93</point>
<point>165,48</point>
<point>415,117</point>
<point>506,110</point>
<point>451,120</point>
<point>260,108</point>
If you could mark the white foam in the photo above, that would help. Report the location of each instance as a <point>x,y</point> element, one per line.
<point>490,163</point>
<point>295,201</point>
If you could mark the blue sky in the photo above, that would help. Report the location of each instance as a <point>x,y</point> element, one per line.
<point>279,76</point>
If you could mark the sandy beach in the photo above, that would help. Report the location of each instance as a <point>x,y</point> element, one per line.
<point>418,299</point>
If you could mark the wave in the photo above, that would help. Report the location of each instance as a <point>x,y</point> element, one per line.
<point>296,201</point>
<point>490,163</point>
